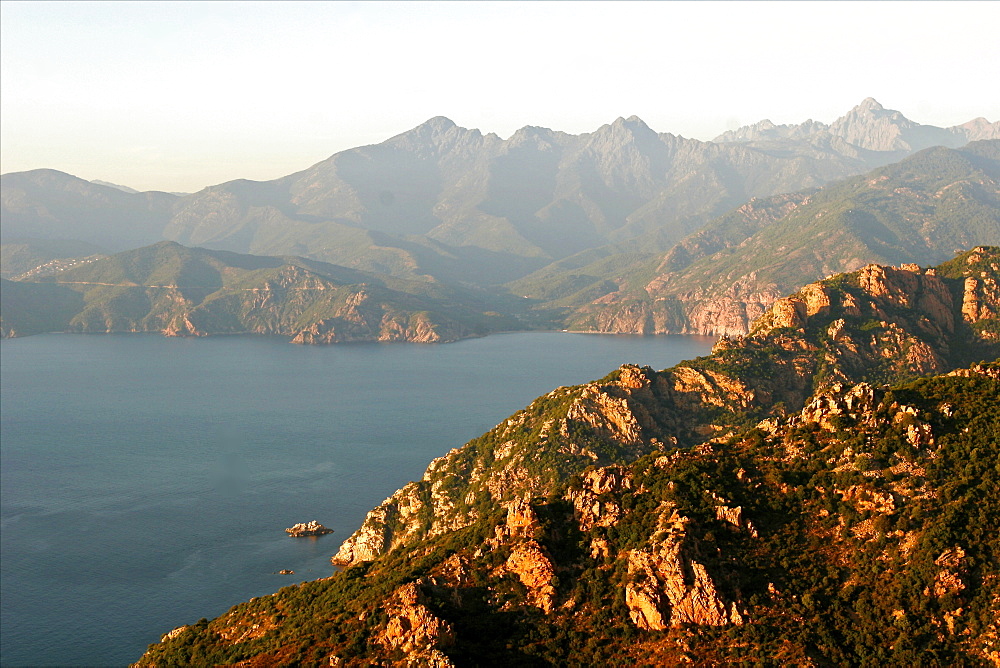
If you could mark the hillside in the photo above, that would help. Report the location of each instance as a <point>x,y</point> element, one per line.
<point>719,279</point>
<point>775,502</point>
<point>45,204</point>
<point>21,258</point>
<point>181,291</point>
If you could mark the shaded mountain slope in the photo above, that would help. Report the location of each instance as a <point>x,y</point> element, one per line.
<point>719,279</point>
<point>807,505</point>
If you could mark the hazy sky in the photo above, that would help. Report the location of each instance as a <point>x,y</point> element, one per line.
<point>176,96</point>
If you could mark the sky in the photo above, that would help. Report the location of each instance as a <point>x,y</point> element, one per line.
<point>177,96</point>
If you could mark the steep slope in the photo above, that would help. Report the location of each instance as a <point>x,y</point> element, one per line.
<point>807,505</point>
<point>720,279</point>
<point>874,325</point>
<point>182,291</point>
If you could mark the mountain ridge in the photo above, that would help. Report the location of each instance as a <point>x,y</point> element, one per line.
<point>871,126</point>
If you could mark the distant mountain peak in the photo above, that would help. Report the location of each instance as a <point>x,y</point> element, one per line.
<point>432,127</point>
<point>532,130</point>
<point>626,129</point>
<point>434,134</point>
<point>438,123</point>
<point>768,130</point>
<point>869,104</point>
<point>871,109</point>
<point>873,127</point>
<point>632,122</point>
<point>529,132</point>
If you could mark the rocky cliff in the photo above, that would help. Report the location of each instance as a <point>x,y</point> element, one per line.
<point>779,500</point>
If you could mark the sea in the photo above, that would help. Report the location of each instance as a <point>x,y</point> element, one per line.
<point>146,482</point>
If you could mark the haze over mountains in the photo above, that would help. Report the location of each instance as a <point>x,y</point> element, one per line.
<point>567,220</point>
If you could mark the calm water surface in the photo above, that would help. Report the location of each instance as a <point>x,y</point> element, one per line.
<point>147,481</point>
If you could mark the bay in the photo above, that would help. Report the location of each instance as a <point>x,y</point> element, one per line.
<point>145,482</point>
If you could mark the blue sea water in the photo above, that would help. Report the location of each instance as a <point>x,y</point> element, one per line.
<point>147,481</point>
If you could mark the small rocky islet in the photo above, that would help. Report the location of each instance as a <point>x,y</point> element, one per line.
<point>311,528</point>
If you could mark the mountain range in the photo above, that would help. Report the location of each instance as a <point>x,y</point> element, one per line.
<point>620,230</point>
<point>794,498</point>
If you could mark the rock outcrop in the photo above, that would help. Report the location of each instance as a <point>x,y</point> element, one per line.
<point>310,528</point>
<point>416,631</point>
<point>668,588</point>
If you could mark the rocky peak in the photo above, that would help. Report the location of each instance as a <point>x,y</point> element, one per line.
<point>522,520</point>
<point>840,400</point>
<point>531,137</point>
<point>668,587</point>
<point>872,126</point>
<point>869,105</point>
<point>436,138</point>
<point>622,133</point>
<point>980,129</point>
<point>435,126</point>
<point>594,501</point>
